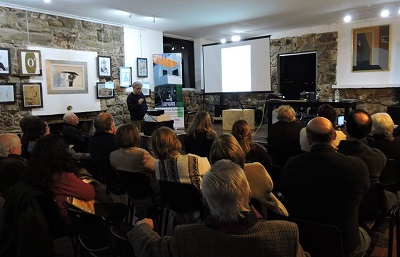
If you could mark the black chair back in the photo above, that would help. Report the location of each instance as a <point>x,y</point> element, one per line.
<point>275,171</point>
<point>119,234</point>
<point>319,240</point>
<point>137,185</point>
<point>93,232</point>
<point>390,175</point>
<point>181,198</point>
<point>373,204</point>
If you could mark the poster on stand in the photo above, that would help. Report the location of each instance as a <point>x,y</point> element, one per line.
<point>167,69</point>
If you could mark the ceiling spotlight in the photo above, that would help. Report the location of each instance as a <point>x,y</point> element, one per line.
<point>130,15</point>
<point>399,11</point>
<point>173,48</point>
<point>223,41</point>
<point>235,38</point>
<point>347,18</point>
<point>385,13</point>
<point>47,1</point>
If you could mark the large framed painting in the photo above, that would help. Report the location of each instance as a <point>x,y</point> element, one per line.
<point>5,61</point>
<point>371,48</point>
<point>30,63</point>
<point>32,96</point>
<point>66,77</point>
<point>7,93</point>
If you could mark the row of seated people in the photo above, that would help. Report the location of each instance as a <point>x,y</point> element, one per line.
<point>225,147</point>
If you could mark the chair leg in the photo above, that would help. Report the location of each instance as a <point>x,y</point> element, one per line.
<point>164,222</point>
<point>391,218</point>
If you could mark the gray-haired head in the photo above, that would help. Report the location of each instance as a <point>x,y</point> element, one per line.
<point>104,122</point>
<point>226,190</point>
<point>137,83</point>
<point>382,125</point>
<point>71,118</point>
<point>9,144</point>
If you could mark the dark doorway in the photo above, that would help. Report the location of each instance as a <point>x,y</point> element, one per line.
<point>186,48</point>
<point>297,73</point>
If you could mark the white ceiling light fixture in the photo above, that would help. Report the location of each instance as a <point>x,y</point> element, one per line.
<point>223,41</point>
<point>347,18</point>
<point>385,13</point>
<point>399,11</point>
<point>47,1</point>
<point>235,38</point>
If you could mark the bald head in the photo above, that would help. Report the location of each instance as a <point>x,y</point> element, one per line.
<point>71,118</point>
<point>358,124</point>
<point>10,144</point>
<point>320,131</point>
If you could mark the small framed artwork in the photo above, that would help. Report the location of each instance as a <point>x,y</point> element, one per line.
<point>104,66</point>
<point>7,93</point>
<point>66,77</point>
<point>5,61</point>
<point>146,88</point>
<point>32,96</point>
<point>125,76</point>
<point>30,62</point>
<point>142,67</point>
<point>105,90</point>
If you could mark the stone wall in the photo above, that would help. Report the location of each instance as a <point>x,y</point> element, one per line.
<point>58,32</point>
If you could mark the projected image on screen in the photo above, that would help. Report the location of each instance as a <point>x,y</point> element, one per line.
<point>236,68</point>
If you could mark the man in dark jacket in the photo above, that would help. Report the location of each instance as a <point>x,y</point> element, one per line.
<point>325,186</point>
<point>137,105</point>
<point>358,127</point>
<point>72,134</point>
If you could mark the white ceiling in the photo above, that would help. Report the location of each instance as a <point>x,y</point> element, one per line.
<point>210,19</point>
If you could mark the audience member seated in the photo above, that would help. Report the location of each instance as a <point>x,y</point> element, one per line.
<point>53,171</point>
<point>72,134</point>
<point>200,135</point>
<point>11,147</point>
<point>227,147</point>
<point>102,143</point>
<point>129,156</point>
<point>173,166</point>
<point>24,229</point>
<point>326,111</point>
<point>358,127</point>
<point>232,229</point>
<point>326,187</point>
<point>283,136</point>
<point>33,128</point>
<point>383,139</point>
<point>254,152</point>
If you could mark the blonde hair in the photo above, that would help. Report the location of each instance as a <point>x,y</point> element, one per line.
<point>127,136</point>
<point>165,143</point>
<point>226,191</point>
<point>382,124</point>
<point>201,123</point>
<point>286,113</point>
<point>225,146</point>
<point>242,132</point>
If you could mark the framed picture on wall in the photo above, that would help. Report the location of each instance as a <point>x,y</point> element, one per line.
<point>32,96</point>
<point>125,76</point>
<point>104,66</point>
<point>5,61</point>
<point>142,67</point>
<point>371,48</point>
<point>146,89</point>
<point>30,62</point>
<point>105,90</point>
<point>7,93</point>
<point>66,77</point>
